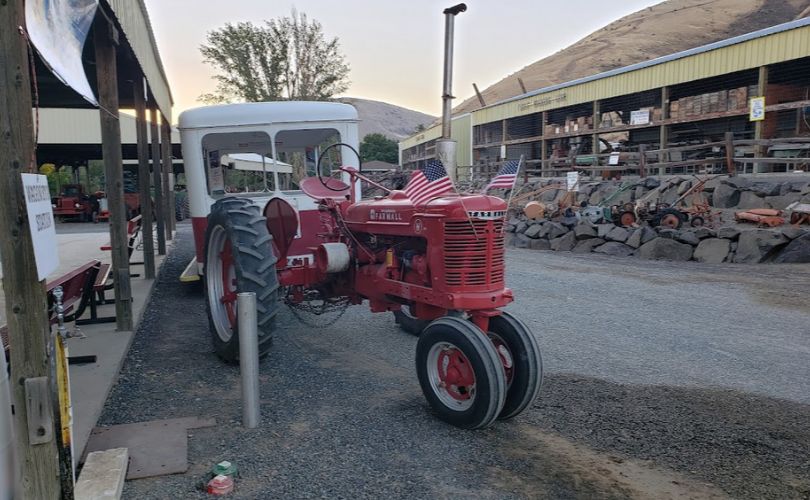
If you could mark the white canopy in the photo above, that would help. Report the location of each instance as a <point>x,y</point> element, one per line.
<point>253,162</point>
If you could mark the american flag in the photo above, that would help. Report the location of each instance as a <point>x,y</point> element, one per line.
<point>428,183</point>
<point>506,177</point>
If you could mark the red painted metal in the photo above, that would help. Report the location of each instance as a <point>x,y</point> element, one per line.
<point>198,227</point>
<point>228,283</point>
<point>282,222</point>
<point>456,374</point>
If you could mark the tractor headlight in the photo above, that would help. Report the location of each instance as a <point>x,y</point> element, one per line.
<point>77,205</point>
<point>53,205</point>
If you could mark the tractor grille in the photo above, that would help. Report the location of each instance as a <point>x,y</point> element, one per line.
<point>473,261</point>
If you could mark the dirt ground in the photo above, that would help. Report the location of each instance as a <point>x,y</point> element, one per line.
<point>697,388</point>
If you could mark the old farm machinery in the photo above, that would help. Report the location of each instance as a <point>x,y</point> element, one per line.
<point>438,265</point>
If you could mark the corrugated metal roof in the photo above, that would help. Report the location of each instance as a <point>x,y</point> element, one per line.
<point>134,21</point>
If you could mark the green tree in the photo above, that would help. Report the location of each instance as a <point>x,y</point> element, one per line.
<point>379,147</point>
<point>286,58</point>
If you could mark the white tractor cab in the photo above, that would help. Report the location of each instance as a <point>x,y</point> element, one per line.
<point>265,151</point>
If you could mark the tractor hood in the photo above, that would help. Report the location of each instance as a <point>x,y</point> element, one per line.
<point>397,207</point>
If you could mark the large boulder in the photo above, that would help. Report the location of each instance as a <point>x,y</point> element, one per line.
<point>665,249</point>
<point>587,246</point>
<point>619,234</point>
<point>688,237</point>
<point>521,227</point>
<point>534,231</point>
<point>602,230</point>
<point>765,188</point>
<point>797,252</point>
<point>564,243</point>
<point>704,232</point>
<point>615,248</point>
<point>549,196</point>
<point>749,199</point>
<point>651,183</point>
<point>758,245</point>
<point>712,250</point>
<point>584,231</point>
<point>725,196</point>
<point>684,187</point>
<point>552,230</point>
<point>729,233</point>
<point>641,236</point>
<point>781,202</point>
<point>793,232</point>
<point>665,232</point>
<point>521,241</point>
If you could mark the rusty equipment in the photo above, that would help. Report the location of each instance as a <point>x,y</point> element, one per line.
<point>799,213</point>
<point>761,216</point>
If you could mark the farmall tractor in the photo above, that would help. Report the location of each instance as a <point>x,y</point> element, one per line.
<point>311,242</point>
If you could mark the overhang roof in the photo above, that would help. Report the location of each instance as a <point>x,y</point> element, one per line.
<point>264,113</point>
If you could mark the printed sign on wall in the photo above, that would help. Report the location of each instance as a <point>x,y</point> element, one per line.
<point>757,109</point>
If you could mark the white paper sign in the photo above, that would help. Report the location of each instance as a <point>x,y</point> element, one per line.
<point>640,117</point>
<point>572,179</point>
<point>757,109</point>
<point>41,223</point>
<point>614,159</point>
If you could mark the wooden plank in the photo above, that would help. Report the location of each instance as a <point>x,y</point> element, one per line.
<point>26,306</point>
<point>695,147</point>
<point>731,166</point>
<point>759,127</point>
<point>157,181</point>
<point>139,95</point>
<point>168,194</point>
<point>107,76</point>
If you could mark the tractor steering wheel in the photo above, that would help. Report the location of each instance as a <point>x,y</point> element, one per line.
<point>320,157</point>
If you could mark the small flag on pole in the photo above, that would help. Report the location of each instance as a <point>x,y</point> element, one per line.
<point>506,177</point>
<point>428,183</point>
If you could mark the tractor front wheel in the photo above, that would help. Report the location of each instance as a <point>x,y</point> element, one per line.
<point>460,373</point>
<point>520,355</point>
<point>239,258</point>
<point>410,323</point>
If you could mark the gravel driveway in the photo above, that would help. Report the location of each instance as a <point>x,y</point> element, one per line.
<point>662,380</point>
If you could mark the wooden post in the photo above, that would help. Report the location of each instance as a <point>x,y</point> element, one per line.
<point>543,146</point>
<point>168,166</point>
<point>157,181</point>
<point>759,127</point>
<point>26,306</point>
<point>597,117</point>
<point>731,165</point>
<point>106,38</point>
<point>143,179</point>
<point>642,160</point>
<point>480,97</point>
<point>522,85</point>
<point>664,131</point>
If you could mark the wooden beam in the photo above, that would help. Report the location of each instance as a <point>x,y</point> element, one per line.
<point>522,85</point>
<point>107,76</point>
<point>143,179</point>
<point>543,144</point>
<point>26,305</point>
<point>157,180</point>
<point>480,97</point>
<point>759,127</point>
<point>731,165</point>
<point>663,133</point>
<point>168,194</point>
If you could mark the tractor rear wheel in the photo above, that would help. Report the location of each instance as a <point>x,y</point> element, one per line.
<point>697,221</point>
<point>627,218</point>
<point>239,258</point>
<point>460,372</point>
<point>522,362</point>
<point>410,323</point>
<point>669,218</point>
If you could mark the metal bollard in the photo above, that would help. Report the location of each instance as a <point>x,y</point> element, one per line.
<point>249,358</point>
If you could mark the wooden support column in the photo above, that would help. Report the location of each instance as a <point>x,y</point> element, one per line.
<point>26,306</point>
<point>157,181</point>
<point>544,146</point>
<point>664,132</point>
<point>106,38</point>
<point>597,118</point>
<point>168,185</point>
<point>143,179</point>
<point>731,165</point>
<point>759,127</point>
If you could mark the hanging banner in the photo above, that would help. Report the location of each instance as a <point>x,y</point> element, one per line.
<point>58,30</point>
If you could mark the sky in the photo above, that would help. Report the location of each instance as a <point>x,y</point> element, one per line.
<point>394,49</point>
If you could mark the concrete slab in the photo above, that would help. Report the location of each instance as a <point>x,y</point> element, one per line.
<point>103,475</point>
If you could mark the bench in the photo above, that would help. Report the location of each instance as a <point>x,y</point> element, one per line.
<point>133,230</point>
<point>82,288</point>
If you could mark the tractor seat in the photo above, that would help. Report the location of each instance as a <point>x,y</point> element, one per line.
<point>314,188</point>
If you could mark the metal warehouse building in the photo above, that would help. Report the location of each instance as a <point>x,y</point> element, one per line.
<point>668,106</point>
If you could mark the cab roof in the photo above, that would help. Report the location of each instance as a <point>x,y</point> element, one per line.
<point>265,113</point>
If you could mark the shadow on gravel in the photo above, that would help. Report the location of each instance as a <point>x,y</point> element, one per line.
<point>750,446</point>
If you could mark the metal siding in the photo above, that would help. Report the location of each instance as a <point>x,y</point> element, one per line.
<point>462,133</point>
<point>134,20</point>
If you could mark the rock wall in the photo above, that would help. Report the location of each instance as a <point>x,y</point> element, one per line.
<point>726,244</point>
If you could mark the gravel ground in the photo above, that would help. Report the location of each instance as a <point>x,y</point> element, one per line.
<point>663,380</point>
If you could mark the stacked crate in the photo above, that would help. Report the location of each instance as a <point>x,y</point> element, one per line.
<point>712,102</point>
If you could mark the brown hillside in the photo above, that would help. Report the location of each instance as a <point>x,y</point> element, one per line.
<point>666,28</point>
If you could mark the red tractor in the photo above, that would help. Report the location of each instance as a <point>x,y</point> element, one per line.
<point>73,203</point>
<point>437,265</point>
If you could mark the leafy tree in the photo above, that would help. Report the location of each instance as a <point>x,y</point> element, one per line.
<point>286,58</point>
<point>379,147</point>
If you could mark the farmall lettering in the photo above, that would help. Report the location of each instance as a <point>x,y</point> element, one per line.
<point>385,215</point>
